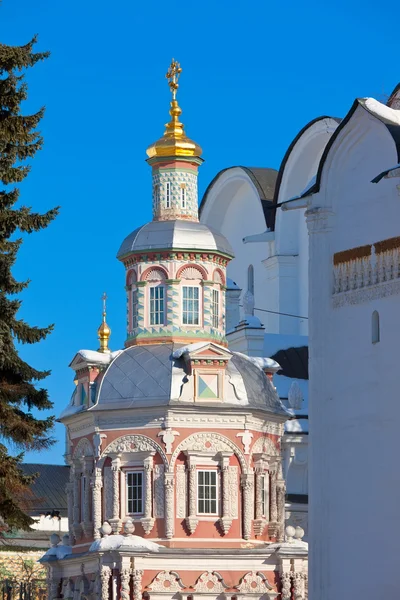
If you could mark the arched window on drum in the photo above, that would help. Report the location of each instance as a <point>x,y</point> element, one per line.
<point>156,297</point>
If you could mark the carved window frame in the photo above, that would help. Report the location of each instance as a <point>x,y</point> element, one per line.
<point>217,492</point>
<point>127,472</point>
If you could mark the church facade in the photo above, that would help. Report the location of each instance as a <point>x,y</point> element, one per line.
<point>174,442</point>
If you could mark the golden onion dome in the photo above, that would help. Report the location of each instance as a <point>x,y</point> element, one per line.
<point>174,142</point>
<point>104,331</point>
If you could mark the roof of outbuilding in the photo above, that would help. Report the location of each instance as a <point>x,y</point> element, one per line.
<point>264,180</point>
<point>293,362</point>
<point>48,489</point>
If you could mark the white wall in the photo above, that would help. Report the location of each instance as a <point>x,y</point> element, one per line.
<point>354,489</point>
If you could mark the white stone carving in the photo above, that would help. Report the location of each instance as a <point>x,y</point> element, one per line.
<point>115,520</point>
<point>137,575</point>
<point>169,504</point>
<point>83,448</point>
<point>299,580</point>
<point>265,445</point>
<point>254,583</point>
<point>134,443</point>
<point>295,396</point>
<point>181,496</point>
<point>125,583</point>
<point>209,583</point>
<point>248,303</point>
<point>233,491</point>
<point>286,586</point>
<point>208,442</point>
<point>108,492</point>
<point>168,437</point>
<point>148,521</point>
<point>363,279</point>
<point>158,479</point>
<point>248,503</point>
<point>247,437</point>
<point>97,442</point>
<point>226,520</point>
<point>105,575</point>
<point>168,582</point>
<point>97,484</point>
<point>192,520</point>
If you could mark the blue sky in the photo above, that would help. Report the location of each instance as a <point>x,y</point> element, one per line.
<point>254,73</point>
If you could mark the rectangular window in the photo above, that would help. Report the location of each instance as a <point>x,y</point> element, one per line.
<point>134,309</point>
<point>134,492</point>
<point>168,195</point>
<point>265,496</point>
<point>190,305</point>
<point>215,309</point>
<point>183,197</point>
<point>207,497</point>
<point>157,305</point>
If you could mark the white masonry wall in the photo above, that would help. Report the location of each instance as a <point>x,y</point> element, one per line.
<point>354,488</point>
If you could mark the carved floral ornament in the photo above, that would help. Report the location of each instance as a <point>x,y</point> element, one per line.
<point>209,443</point>
<point>265,445</point>
<point>168,582</point>
<point>83,448</point>
<point>134,443</point>
<point>210,583</point>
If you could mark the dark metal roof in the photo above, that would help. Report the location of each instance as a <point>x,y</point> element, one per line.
<point>48,489</point>
<point>293,362</point>
<point>264,180</point>
<point>297,498</point>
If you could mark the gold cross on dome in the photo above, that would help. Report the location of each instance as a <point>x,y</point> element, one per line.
<point>173,75</point>
<point>104,298</point>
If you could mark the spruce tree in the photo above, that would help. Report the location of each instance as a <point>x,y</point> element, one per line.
<point>20,393</point>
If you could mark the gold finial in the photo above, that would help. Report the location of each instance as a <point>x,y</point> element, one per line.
<point>104,331</point>
<point>173,74</point>
<point>174,141</point>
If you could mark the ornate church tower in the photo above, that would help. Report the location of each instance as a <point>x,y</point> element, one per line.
<point>175,266</point>
<point>174,438</point>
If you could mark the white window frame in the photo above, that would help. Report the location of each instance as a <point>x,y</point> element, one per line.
<point>126,474</point>
<point>160,313</point>
<point>183,196</point>
<point>199,320</point>
<point>168,194</point>
<point>264,495</point>
<point>215,300</point>
<point>134,307</point>
<point>205,514</point>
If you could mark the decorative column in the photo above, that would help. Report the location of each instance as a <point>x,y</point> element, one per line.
<point>125,583</point>
<point>52,584</point>
<point>137,575</point>
<point>280,494</point>
<point>169,505</point>
<point>148,521</point>
<point>172,296</point>
<point>192,520</point>
<point>97,484</point>
<point>286,586</point>
<point>262,493</point>
<point>69,488</point>
<point>299,580</point>
<point>207,292</point>
<point>226,519</point>
<point>76,500</point>
<point>273,526</point>
<point>87,468</point>
<point>247,481</point>
<point>105,575</point>
<point>115,522</point>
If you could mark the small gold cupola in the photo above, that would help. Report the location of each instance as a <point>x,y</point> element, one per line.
<point>174,141</point>
<point>104,331</point>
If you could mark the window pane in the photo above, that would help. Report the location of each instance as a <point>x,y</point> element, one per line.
<point>207,492</point>
<point>134,485</point>
<point>190,305</point>
<point>157,305</point>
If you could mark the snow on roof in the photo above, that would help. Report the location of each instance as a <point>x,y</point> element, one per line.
<point>308,187</point>
<point>386,114</point>
<point>124,542</point>
<point>262,362</point>
<point>59,552</point>
<point>100,358</point>
<point>296,426</point>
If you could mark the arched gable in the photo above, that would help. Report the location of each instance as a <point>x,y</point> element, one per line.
<point>209,442</point>
<point>133,443</point>
<point>83,448</point>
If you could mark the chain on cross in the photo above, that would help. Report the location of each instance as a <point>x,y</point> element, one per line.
<point>173,75</point>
